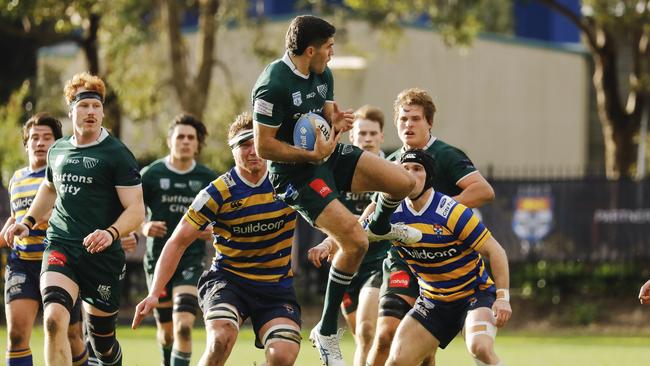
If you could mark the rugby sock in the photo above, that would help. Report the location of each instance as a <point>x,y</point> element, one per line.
<point>115,358</point>
<point>181,358</point>
<point>380,221</point>
<point>166,354</point>
<point>337,283</point>
<point>80,360</point>
<point>92,359</point>
<point>19,357</point>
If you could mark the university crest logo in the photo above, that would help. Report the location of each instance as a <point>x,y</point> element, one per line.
<point>297,99</point>
<point>90,163</point>
<point>195,185</point>
<point>322,90</point>
<point>165,183</point>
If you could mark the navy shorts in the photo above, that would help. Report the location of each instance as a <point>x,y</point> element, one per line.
<point>22,281</point>
<point>444,321</point>
<point>262,303</point>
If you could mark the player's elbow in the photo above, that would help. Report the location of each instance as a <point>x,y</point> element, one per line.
<point>488,194</point>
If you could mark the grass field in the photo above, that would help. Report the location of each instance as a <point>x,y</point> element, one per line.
<point>516,349</point>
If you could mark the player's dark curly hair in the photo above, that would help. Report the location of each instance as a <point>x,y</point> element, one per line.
<point>305,31</point>
<point>190,120</point>
<point>42,119</point>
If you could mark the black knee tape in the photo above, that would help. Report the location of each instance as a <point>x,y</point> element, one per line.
<point>163,315</point>
<point>186,303</point>
<point>75,314</point>
<point>57,295</point>
<point>101,331</point>
<point>393,305</point>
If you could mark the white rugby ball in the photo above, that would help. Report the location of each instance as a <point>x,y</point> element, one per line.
<point>304,132</point>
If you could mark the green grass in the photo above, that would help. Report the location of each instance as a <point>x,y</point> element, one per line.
<point>516,349</point>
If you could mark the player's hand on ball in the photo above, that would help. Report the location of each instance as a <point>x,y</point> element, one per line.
<point>156,229</point>
<point>144,308</point>
<point>644,294</point>
<point>98,241</point>
<point>502,312</point>
<point>324,148</point>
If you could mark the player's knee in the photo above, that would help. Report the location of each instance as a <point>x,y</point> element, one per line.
<point>101,332</point>
<point>481,350</point>
<point>183,332</point>
<point>52,326</point>
<point>75,334</point>
<point>281,357</point>
<point>56,295</point>
<point>16,338</point>
<point>186,303</point>
<point>165,338</point>
<point>394,306</point>
<point>365,332</point>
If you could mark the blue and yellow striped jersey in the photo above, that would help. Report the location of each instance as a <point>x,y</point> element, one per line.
<point>445,261</point>
<point>253,231</point>
<point>22,189</point>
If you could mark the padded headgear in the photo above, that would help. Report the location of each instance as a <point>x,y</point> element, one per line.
<point>423,158</point>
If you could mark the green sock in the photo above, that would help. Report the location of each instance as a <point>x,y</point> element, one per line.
<point>166,352</point>
<point>337,283</point>
<point>380,221</point>
<point>181,358</point>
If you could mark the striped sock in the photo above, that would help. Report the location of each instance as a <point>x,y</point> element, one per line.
<point>19,357</point>
<point>81,360</point>
<point>337,283</point>
<point>181,358</point>
<point>380,221</point>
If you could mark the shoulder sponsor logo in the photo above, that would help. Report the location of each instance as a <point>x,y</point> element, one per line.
<point>322,90</point>
<point>297,99</point>
<point>263,107</point>
<point>195,185</point>
<point>90,163</point>
<point>165,183</point>
<point>444,207</point>
<point>227,178</point>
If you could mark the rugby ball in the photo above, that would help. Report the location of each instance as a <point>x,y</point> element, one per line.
<point>304,132</point>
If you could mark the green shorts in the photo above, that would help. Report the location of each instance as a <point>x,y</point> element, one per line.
<point>188,273</point>
<point>368,275</point>
<point>309,188</point>
<point>98,275</point>
<point>397,278</point>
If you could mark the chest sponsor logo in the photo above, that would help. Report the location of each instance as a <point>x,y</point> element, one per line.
<point>90,163</point>
<point>399,279</point>
<point>21,203</point>
<point>320,187</point>
<point>444,207</point>
<point>297,99</point>
<point>180,185</point>
<point>195,185</point>
<point>429,254</point>
<point>311,95</point>
<point>104,292</point>
<point>322,90</point>
<point>165,183</point>
<point>261,227</point>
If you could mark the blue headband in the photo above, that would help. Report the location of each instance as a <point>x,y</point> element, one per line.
<point>86,95</point>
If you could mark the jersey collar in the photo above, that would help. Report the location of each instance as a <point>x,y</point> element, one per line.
<point>287,60</point>
<point>424,208</point>
<point>250,184</point>
<point>432,139</point>
<point>168,164</point>
<point>102,136</point>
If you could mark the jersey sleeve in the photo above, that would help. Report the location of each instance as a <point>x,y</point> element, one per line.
<point>456,163</point>
<point>9,189</point>
<point>268,106</point>
<point>127,173</point>
<point>146,185</point>
<point>467,227</point>
<point>205,208</point>
<point>329,79</point>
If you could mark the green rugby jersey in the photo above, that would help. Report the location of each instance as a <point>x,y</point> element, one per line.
<point>451,165</point>
<point>85,178</point>
<point>357,203</point>
<point>168,193</point>
<point>282,94</point>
